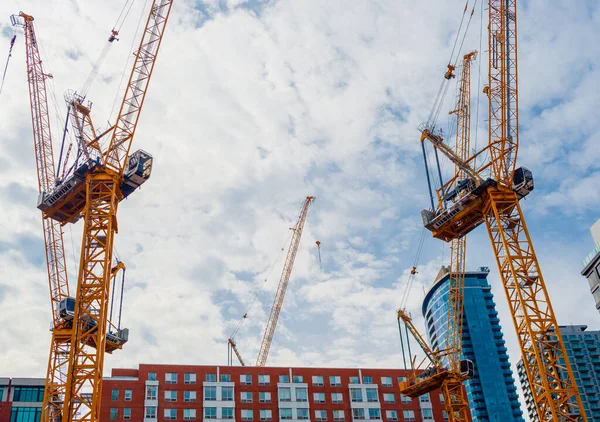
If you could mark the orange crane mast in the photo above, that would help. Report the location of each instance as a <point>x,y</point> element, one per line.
<point>53,236</point>
<point>283,283</point>
<point>496,186</point>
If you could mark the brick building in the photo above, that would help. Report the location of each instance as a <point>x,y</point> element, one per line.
<point>232,393</point>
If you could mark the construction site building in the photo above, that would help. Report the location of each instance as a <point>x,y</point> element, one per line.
<point>235,393</point>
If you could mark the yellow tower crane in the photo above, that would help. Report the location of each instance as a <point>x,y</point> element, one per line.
<point>265,346</point>
<point>92,192</point>
<point>58,362</point>
<point>450,379</point>
<point>495,187</point>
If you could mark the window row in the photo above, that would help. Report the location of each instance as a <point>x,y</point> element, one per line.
<point>127,395</point>
<point>246,379</point>
<point>267,414</point>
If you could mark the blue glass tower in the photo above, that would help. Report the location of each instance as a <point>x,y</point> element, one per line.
<point>491,392</point>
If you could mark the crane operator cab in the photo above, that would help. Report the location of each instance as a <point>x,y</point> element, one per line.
<point>137,171</point>
<point>114,339</point>
<point>522,182</point>
<point>467,369</point>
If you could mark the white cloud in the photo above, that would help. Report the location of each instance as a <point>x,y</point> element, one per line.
<point>253,106</point>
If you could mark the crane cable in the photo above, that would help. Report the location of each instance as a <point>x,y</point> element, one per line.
<point>12,43</point>
<point>113,37</point>
<point>413,271</point>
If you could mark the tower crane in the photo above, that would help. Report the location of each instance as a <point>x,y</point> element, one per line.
<point>265,346</point>
<point>58,363</point>
<point>494,188</point>
<point>91,192</point>
<point>450,379</point>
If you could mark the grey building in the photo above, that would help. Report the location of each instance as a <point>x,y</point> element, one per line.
<point>21,399</point>
<point>583,349</point>
<point>591,265</point>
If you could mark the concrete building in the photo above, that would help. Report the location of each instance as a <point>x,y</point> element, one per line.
<point>583,349</point>
<point>21,399</point>
<point>231,393</point>
<point>591,265</point>
<point>492,393</point>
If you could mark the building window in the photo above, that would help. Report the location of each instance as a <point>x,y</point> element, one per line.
<point>151,376</point>
<point>374,414</point>
<point>170,414</point>
<point>227,413</point>
<point>210,377</point>
<point>301,394</point>
<point>128,395</point>
<point>391,415</point>
<point>151,392</point>
<point>266,415</point>
<point>210,393</point>
<point>338,415</point>
<point>284,379</point>
<point>210,412</point>
<point>354,380</point>
<point>113,396</point>
<point>389,398</point>
<point>170,395</point>
<point>441,398</point>
<point>264,397</point>
<point>337,398</point>
<point>386,381</point>
<point>356,394</point>
<point>189,414</point>
<point>189,378</point>
<point>227,393</point>
<point>445,415</point>
<point>28,394</point>
<point>317,380</point>
<point>189,396</point>
<point>302,413</point>
<point>285,414</point>
<point>405,399</point>
<point>246,379</point>
<point>298,379</point>
<point>319,397</point>
<point>150,412</point>
<point>409,415</point>
<point>335,381</point>
<point>425,398</point>
<point>246,396</point>
<point>114,413</point>
<point>285,394</point>
<point>247,414</point>
<point>427,414</point>
<point>264,380</point>
<point>225,377</point>
<point>401,379</point>
<point>372,395</point>
<point>321,415</point>
<point>171,378</point>
<point>368,380</point>
<point>127,413</point>
<point>358,413</point>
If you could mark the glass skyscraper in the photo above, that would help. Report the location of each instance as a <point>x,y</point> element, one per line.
<point>583,349</point>
<point>491,392</point>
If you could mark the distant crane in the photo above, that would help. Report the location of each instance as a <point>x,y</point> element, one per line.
<point>283,283</point>
<point>494,187</point>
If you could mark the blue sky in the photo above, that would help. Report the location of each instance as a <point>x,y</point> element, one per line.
<point>255,105</point>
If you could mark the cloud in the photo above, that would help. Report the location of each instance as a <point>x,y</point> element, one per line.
<point>254,105</point>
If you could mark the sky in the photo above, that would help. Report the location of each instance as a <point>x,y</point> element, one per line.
<point>256,104</point>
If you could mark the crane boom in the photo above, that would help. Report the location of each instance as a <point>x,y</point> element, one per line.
<point>56,376</point>
<point>116,155</point>
<point>283,283</point>
<point>235,350</point>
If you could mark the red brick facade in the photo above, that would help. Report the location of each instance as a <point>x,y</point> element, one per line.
<point>135,381</point>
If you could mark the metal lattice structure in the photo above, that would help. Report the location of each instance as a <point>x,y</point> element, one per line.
<point>265,346</point>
